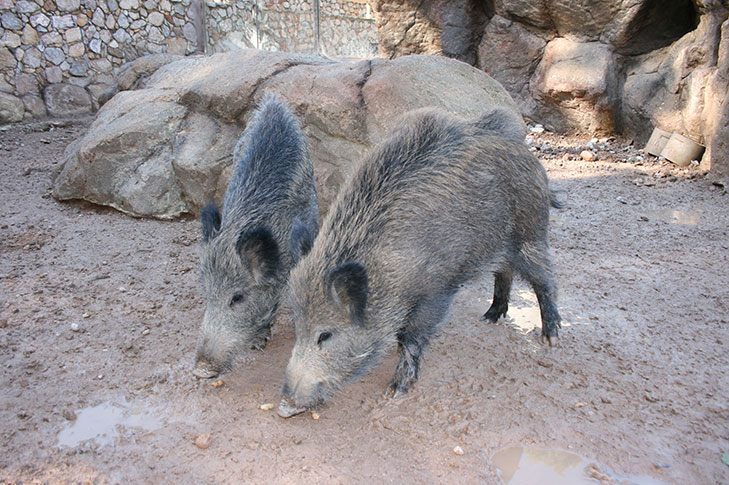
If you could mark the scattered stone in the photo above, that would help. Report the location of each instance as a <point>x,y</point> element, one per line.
<point>75,327</point>
<point>587,156</point>
<point>581,404</point>
<point>203,441</point>
<point>314,414</point>
<point>218,383</point>
<point>458,450</point>
<point>69,415</point>
<point>146,332</point>
<point>267,406</point>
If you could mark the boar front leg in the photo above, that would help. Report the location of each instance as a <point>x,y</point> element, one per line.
<point>413,339</point>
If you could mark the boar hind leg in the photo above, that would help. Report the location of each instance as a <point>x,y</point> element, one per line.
<point>535,266</point>
<point>412,340</point>
<point>502,288</point>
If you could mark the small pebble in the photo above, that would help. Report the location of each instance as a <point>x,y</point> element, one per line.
<point>580,404</point>
<point>75,327</point>
<point>69,415</point>
<point>267,406</point>
<point>146,332</point>
<point>203,441</point>
<point>458,450</point>
<point>314,415</point>
<point>218,383</point>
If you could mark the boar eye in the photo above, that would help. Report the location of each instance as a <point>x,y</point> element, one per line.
<point>237,298</point>
<point>324,336</point>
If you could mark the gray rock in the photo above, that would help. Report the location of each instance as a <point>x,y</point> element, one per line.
<point>24,6</point>
<point>7,59</point>
<point>40,19</point>
<point>54,55</point>
<point>32,58</point>
<point>68,5</point>
<point>95,46</point>
<point>64,100</point>
<point>61,22</point>
<point>10,21</point>
<point>35,106</point>
<point>26,84</point>
<point>54,74</point>
<point>79,68</point>
<point>178,131</point>
<point>11,108</point>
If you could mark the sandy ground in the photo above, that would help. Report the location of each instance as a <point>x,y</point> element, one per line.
<point>99,315</point>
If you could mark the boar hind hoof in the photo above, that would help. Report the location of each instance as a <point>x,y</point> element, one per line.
<point>493,315</point>
<point>204,373</point>
<point>260,345</point>
<point>395,391</point>
<point>552,340</point>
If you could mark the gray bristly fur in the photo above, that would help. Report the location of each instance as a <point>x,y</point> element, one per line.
<point>436,205</point>
<point>269,220</point>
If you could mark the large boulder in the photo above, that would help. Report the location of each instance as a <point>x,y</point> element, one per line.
<point>166,149</point>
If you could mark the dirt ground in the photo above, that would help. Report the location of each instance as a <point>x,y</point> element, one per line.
<point>99,315</point>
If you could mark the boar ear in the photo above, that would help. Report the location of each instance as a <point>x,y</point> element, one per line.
<point>210,217</point>
<point>348,289</point>
<point>259,250</point>
<point>300,241</point>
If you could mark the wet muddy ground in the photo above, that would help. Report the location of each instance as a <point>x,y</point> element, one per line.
<point>99,316</point>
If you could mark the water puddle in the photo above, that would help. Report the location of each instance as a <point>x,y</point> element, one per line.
<point>527,466</point>
<point>671,216</point>
<point>102,423</point>
<point>523,313</point>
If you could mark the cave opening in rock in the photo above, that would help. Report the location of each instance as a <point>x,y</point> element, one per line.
<point>658,24</point>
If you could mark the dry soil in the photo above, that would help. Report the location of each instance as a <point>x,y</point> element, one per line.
<point>99,315</point>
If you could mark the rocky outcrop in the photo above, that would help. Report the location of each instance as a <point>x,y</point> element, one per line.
<point>440,27</point>
<point>166,149</point>
<point>602,66</point>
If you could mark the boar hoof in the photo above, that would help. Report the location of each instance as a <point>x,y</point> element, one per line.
<point>552,340</point>
<point>493,315</point>
<point>204,373</point>
<point>260,345</point>
<point>395,390</point>
<point>262,338</point>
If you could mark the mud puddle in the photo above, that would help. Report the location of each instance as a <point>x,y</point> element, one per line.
<point>684,218</point>
<point>527,466</point>
<point>104,423</point>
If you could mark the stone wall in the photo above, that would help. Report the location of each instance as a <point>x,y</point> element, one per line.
<point>57,56</point>
<point>337,28</point>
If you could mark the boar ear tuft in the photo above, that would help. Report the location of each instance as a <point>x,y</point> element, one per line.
<point>300,240</point>
<point>348,289</point>
<point>210,218</point>
<point>259,250</point>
